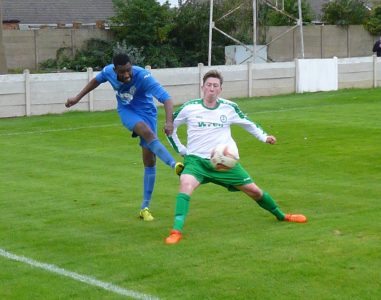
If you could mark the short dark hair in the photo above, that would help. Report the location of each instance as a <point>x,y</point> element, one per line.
<point>214,74</point>
<point>120,59</point>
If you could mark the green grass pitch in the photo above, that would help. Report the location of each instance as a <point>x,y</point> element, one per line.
<point>70,192</point>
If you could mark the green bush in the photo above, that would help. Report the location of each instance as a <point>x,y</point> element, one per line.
<point>373,25</point>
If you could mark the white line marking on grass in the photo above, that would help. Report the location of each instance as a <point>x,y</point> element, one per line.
<point>57,130</point>
<point>83,278</point>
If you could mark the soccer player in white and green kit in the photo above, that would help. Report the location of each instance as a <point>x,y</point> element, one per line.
<point>208,123</point>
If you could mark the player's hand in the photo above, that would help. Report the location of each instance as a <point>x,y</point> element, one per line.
<point>168,129</point>
<point>271,140</point>
<point>71,101</point>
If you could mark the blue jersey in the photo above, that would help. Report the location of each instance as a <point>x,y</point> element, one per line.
<point>138,93</point>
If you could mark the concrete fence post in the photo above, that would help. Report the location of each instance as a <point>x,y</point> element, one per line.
<point>28,108</point>
<point>296,74</point>
<point>250,79</point>
<point>374,71</point>
<point>36,49</point>
<point>91,94</point>
<point>200,75</point>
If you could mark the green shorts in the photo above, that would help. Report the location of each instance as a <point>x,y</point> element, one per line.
<point>204,172</point>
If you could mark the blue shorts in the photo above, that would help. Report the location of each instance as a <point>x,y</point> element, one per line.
<point>131,117</point>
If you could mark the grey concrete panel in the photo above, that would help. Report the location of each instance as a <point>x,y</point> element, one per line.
<point>180,94</point>
<point>281,49</point>
<point>176,76</point>
<point>273,87</point>
<point>355,67</point>
<point>356,77</point>
<point>357,84</point>
<point>234,89</point>
<point>12,111</point>
<point>12,87</point>
<point>19,49</point>
<point>48,41</point>
<point>26,49</point>
<point>102,105</point>
<point>105,94</point>
<point>273,72</point>
<point>312,41</point>
<point>334,41</point>
<point>360,41</point>
<point>14,99</point>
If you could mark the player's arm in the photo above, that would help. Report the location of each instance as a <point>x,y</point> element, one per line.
<point>91,85</point>
<point>168,107</point>
<point>163,97</point>
<point>173,139</point>
<point>240,119</point>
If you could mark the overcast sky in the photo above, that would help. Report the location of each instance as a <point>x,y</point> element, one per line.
<point>172,2</point>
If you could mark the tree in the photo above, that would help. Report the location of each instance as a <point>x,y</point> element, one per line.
<point>373,25</point>
<point>345,12</point>
<point>190,35</point>
<point>146,24</point>
<point>271,17</point>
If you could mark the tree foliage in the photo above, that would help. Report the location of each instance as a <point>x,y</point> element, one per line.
<point>373,24</point>
<point>191,34</point>
<point>345,12</point>
<point>162,36</point>
<point>271,17</point>
<point>95,53</point>
<point>146,24</point>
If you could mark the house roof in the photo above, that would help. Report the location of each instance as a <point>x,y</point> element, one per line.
<point>56,11</point>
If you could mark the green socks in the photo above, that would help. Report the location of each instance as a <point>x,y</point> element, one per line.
<point>268,203</point>
<point>182,207</point>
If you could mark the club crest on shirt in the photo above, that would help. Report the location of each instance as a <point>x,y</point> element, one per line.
<point>223,118</point>
<point>127,97</point>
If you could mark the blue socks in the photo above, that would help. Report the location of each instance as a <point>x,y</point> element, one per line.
<point>161,152</point>
<point>149,183</point>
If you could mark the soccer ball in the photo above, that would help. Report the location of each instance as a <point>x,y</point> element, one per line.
<point>223,157</point>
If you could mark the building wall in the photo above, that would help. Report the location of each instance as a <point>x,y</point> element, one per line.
<point>27,49</point>
<point>319,42</point>
<point>37,94</point>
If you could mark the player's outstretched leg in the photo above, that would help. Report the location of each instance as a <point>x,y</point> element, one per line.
<point>182,208</point>
<point>268,203</point>
<point>161,152</point>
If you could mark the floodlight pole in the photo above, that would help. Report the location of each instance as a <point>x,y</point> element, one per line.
<point>300,21</point>
<point>211,25</point>
<point>254,29</point>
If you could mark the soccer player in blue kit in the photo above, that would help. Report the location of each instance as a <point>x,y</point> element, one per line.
<point>135,88</point>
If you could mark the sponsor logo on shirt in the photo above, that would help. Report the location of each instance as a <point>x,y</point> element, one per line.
<point>210,124</point>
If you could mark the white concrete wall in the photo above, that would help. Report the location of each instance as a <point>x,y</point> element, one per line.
<point>37,94</point>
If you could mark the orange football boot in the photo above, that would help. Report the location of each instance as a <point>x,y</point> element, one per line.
<point>174,237</point>
<point>295,218</point>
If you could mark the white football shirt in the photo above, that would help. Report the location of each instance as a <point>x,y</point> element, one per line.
<point>209,127</point>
